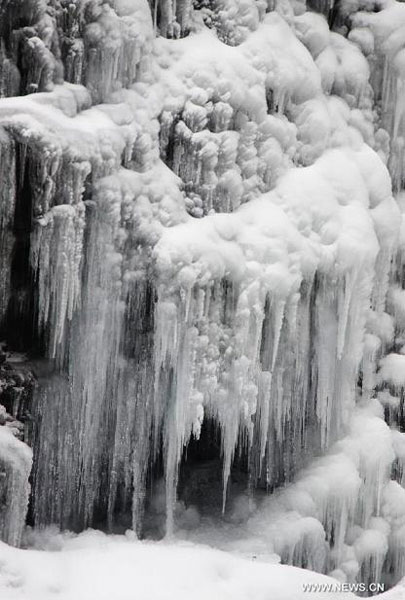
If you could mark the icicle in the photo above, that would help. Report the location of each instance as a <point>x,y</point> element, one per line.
<point>343,309</point>
<point>7,208</point>
<point>276,316</point>
<point>56,256</point>
<point>176,431</point>
<point>327,330</point>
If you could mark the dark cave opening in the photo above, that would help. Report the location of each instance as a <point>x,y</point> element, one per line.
<point>200,478</point>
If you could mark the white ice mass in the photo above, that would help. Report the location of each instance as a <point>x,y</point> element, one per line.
<point>202,261</point>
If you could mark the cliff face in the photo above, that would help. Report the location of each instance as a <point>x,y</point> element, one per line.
<point>200,249</point>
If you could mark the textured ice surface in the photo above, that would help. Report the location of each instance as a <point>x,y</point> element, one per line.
<point>202,199</point>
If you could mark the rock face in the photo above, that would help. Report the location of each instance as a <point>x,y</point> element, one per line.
<point>200,242</point>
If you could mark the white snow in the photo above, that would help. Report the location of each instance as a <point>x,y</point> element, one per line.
<point>94,566</point>
<point>392,369</point>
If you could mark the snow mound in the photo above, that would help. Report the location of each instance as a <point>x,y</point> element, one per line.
<point>93,566</point>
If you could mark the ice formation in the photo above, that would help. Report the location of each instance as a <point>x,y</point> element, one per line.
<point>15,467</point>
<point>201,231</point>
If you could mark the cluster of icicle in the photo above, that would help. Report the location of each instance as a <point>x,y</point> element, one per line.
<point>214,235</point>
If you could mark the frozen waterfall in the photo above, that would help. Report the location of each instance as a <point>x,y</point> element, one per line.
<point>202,275</point>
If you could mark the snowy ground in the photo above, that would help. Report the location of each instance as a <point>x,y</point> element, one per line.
<point>93,566</point>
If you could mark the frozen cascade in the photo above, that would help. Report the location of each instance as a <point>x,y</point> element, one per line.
<point>198,229</point>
